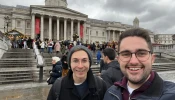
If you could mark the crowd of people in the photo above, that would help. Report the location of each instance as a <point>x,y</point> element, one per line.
<point>21,42</point>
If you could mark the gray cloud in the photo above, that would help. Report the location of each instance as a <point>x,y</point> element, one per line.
<point>156,15</point>
<point>22,2</point>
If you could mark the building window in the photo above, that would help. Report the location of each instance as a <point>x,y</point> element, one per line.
<point>18,23</point>
<point>103,33</point>
<point>28,25</point>
<point>96,33</point>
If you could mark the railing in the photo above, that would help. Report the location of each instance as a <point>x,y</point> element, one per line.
<point>40,61</point>
<point>3,41</point>
<point>4,45</point>
<point>166,54</point>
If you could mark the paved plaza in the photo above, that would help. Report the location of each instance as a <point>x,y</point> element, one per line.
<point>24,91</point>
<point>39,91</point>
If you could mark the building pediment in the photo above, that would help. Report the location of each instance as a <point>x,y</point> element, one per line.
<point>57,9</point>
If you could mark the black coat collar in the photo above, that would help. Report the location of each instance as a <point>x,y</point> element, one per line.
<point>69,82</point>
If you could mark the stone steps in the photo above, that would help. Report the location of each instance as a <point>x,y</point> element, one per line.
<point>18,66</point>
<point>16,81</point>
<point>10,76</point>
<point>20,50</point>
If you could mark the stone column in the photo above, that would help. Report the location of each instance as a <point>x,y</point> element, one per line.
<point>24,26</point>
<point>42,28</point>
<point>50,27</point>
<point>13,23</point>
<point>84,31</point>
<point>33,27</point>
<point>72,25</point>
<point>78,29</point>
<point>58,28</point>
<point>106,35</point>
<point>89,35</point>
<point>113,35</point>
<point>109,34</point>
<point>65,28</point>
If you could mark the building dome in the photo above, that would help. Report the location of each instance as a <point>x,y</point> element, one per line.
<point>136,20</point>
<point>136,23</point>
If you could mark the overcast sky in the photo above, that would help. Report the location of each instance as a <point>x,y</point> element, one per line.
<point>155,15</point>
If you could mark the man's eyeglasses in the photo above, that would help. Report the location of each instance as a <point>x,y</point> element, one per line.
<point>142,55</point>
<point>83,62</point>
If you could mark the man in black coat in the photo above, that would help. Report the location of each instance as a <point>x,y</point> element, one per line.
<point>113,72</point>
<point>80,83</point>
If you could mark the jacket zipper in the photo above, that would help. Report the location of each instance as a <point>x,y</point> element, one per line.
<point>114,95</point>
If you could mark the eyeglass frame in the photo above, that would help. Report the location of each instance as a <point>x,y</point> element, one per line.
<point>150,52</point>
<point>80,61</point>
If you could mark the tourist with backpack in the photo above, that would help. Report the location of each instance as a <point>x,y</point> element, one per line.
<point>80,83</point>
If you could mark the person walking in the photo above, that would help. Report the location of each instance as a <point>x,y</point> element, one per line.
<point>42,44</point>
<point>135,56</point>
<point>65,65</point>
<point>80,83</point>
<point>98,55</point>
<point>50,45</point>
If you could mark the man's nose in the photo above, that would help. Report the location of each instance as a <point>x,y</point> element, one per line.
<point>133,59</point>
<point>80,64</point>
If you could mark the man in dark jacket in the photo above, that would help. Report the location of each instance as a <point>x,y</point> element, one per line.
<point>140,82</point>
<point>65,65</point>
<point>113,72</point>
<point>80,83</point>
<point>102,66</point>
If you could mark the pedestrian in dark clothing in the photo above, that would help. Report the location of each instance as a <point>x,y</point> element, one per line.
<point>80,83</point>
<point>103,66</point>
<point>56,71</point>
<point>98,57</point>
<point>140,82</point>
<point>112,73</point>
<point>29,43</point>
<point>65,65</point>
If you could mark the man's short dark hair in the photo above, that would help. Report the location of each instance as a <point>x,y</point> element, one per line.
<point>110,53</point>
<point>142,33</point>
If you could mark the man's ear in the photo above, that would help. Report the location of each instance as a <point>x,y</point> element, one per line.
<point>153,57</point>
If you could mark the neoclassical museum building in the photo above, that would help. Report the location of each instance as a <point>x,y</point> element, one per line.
<point>55,21</point>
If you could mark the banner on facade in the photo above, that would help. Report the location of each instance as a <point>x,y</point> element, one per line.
<point>81,31</point>
<point>37,26</point>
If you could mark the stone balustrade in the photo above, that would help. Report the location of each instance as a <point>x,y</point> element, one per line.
<point>4,45</point>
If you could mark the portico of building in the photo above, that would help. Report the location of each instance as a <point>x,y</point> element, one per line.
<point>55,25</point>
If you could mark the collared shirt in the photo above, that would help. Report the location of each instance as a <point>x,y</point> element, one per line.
<point>125,93</point>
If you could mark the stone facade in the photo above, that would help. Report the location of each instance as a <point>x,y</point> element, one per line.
<point>164,39</point>
<point>59,22</point>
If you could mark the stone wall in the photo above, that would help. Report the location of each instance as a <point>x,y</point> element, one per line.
<point>4,45</point>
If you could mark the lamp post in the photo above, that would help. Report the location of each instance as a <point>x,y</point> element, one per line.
<point>7,21</point>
